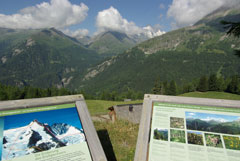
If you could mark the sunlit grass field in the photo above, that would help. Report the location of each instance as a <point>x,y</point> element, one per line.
<point>216,95</point>
<point>99,107</point>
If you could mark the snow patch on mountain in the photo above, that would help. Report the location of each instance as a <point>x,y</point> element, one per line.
<point>37,137</point>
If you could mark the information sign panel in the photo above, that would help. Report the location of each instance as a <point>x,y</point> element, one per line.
<point>189,129</point>
<point>43,133</point>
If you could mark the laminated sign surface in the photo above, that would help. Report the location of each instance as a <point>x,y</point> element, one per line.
<point>188,129</point>
<point>43,133</point>
<point>194,133</point>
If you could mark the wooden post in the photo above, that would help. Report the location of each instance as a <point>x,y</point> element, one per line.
<point>94,143</point>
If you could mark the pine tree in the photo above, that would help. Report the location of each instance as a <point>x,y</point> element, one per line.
<point>203,84</point>
<point>172,90</point>
<point>3,93</point>
<point>188,88</point>
<point>212,83</point>
<point>165,88</point>
<point>233,86</point>
<point>220,84</point>
<point>157,89</point>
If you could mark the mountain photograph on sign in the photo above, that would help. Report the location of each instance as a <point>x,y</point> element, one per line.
<point>161,134</point>
<point>41,131</point>
<point>225,124</point>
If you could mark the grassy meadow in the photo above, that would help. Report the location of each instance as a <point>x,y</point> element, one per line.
<point>100,107</point>
<point>118,139</point>
<point>216,95</point>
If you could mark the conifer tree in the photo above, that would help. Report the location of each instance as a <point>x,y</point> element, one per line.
<point>233,86</point>
<point>165,88</point>
<point>212,83</point>
<point>220,84</point>
<point>157,89</point>
<point>172,90</point>
<point>203,84</point>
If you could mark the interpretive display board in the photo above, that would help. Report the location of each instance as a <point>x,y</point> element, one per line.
<point>189,129</point>
<point>50,133</point>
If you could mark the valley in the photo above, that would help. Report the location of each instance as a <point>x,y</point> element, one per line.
<point>115,61</point>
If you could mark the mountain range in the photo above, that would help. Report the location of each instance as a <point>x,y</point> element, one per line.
<point>42,58</point>
<point>232,128</point>
<point>181,55</point>
<point>37,137</point>
<point>116,61</point>
<point>111,43</point>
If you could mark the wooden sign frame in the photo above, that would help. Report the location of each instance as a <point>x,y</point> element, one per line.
<point>93,142</point>
<point>142,146</point>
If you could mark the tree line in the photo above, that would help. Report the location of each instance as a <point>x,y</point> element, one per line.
<point>115,95</point>
<point>8,92</point>
<point>204,84</point>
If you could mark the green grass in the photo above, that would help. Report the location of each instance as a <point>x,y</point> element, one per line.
<point>99,107</point>
<point>216,95</point>
<point>118,139</point>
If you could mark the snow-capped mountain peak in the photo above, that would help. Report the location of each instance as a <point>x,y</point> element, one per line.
<point>36,137</point>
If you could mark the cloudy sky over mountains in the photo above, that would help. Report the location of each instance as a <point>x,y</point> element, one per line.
<point>87,17</point>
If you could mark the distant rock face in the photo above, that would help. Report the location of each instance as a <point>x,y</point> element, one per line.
<point>60,128</point>
<point>37,137</point>
<point>30,42</point>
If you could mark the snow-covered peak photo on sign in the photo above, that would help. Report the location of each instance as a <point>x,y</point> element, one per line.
<point>40,131</point>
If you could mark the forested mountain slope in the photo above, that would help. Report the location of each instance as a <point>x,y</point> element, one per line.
<point>42,58</point>
<point>181,55</point>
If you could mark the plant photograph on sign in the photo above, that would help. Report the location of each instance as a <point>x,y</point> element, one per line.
<point>177,136</point>
<point>176,122</point>
<point>216,123</point>
<point>40,131</point>
<point>195,137</point>
<point>160,134</point>
<point>213,140</point>
<point>232,142</point>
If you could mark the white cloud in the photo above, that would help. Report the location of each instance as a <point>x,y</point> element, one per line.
<point>188,12</point>
<point>80,33</point>
<point>56,13</point>
<point>111,19</point>
<point>150,31</point>
<point>191,114</point>
<point>215,119</point>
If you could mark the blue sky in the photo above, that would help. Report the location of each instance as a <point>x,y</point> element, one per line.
<point>68,116</point>
<point>209,117</point>
<point>88,17</point>
<point>195,132</point>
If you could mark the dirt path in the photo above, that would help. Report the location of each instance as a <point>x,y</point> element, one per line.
<point>100,118</point>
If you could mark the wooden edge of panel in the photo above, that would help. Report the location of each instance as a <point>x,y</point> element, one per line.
<point>37,102</point>
<point>93,141</point>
